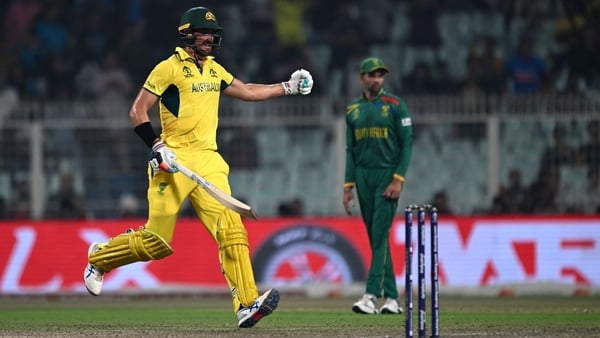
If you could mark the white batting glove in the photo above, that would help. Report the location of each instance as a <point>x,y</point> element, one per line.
<point>306,82</point>
<point>300,82</point>
<point>162,158</point>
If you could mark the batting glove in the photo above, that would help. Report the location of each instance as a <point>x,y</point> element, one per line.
<point>162,158</point>
<point>300,82</point>
<point>306,82</point>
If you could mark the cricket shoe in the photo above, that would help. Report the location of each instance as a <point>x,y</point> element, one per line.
<point>262,306</point>
<point>391,307</point>
<point>92,276</point>
<point>366,305</point>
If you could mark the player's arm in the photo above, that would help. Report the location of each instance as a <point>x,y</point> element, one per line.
<point>140,107</point>
<point>161,157</point>
<point>403,126</point>
<point>349,174</point>
<point>253,91</point>
<point>300,82</point>
<point>405,141</point>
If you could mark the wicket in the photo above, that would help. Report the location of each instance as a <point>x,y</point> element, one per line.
<point>433,215</point>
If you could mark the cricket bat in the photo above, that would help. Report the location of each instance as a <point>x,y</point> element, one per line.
<point>222,197</point>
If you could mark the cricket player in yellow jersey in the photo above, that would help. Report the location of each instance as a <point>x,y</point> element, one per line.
<point>188,86</point>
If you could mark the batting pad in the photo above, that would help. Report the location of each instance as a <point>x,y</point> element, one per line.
<point>130,247</point>
<point>236,264</point>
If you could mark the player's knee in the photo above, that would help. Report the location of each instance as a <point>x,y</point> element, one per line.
<point>231,230</point>
<point>230,237</point>
<point>130,247</point>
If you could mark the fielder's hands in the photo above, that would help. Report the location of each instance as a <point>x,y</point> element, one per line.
<point>300,82</point>
<point>162,158</point>
<point>348,200</point>
<point>393,189</point>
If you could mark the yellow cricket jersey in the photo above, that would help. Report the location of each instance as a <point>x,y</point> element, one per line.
<point>189,99</point>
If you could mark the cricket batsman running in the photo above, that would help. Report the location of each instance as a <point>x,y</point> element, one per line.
<point>187,87</point>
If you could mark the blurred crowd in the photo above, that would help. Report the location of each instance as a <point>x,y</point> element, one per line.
<point>568,179</point>
<point>65,49</point>
<point>102,50</point>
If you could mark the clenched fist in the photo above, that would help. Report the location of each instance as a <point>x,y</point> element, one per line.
<point>300,82</point>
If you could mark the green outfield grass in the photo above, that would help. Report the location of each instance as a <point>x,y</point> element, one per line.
<point>210,316</point>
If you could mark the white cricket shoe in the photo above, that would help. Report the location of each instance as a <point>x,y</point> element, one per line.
<point>366,305</point>
<point>92,276</point>
<point>262,306</point>
<point>391,306</point>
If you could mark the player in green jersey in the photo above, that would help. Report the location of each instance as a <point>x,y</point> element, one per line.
<point>378,151</point>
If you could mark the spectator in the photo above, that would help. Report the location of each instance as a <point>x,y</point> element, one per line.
<point>9,96</point>
<point>511,197</point>
<point>58,78</point>
<point>471,94</point>
<point>580,50</point>
<point>3,209</point>
<point>319,19</point>
<point>424,29</point>
<point>18,20</point>
<point>541,196</point>
<point>93,37</point>
<point>128,206</point>
<point>378,16</point>
<point>527,72</point>
<point>88,69</point>
<point>32,58</point>
<point>259,15</point>
<point>582,198</point>
<point>470,88</point>
<point>590,200</point>
<point>52,32</point>
<point>441,202</point>
<point>343,35</point>
<point>112,87</point>
<point>66,203</point>
<point>443,83</point>
<point>241,151</point>
<point>560,152</point>
<point>21,207</point>
<point>289,22</point>
<point>572,85</point>
<point>590,151</point>
<point>419,81</point>
<point>491,76</point>
<point>291,208</point>
<point>508,10</point>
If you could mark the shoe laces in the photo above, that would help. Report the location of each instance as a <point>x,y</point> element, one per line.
<point>369,299</point>
<point>253,306</point>
<point>96,273</point>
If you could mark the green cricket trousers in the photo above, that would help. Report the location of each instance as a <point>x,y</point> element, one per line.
<point>378,214</point>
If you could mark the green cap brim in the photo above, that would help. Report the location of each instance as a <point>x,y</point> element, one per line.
<point>372,64</point>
